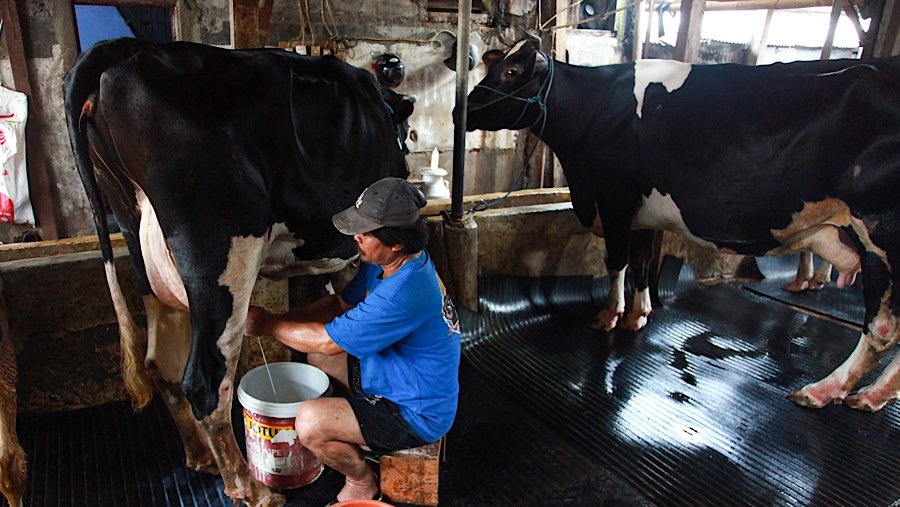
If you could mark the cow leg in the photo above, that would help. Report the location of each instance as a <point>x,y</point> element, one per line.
<point>13,461</point>
<point>641,256</point>
<point>615,302</point>
<point>616,229</point>
<point>168,345</point>
<point>880,333</point>
<point>885,389</point>
<point>218,312</point>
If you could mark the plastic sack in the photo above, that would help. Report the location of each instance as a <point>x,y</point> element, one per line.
<point>15,205</point>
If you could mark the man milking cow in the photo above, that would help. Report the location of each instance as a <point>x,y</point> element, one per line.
<point>390,342</point>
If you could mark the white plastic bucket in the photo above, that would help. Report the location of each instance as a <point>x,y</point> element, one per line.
<point>274,453</point>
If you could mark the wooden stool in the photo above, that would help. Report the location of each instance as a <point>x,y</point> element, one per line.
<point>411,475</point>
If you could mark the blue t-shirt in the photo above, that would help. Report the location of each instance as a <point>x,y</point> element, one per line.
<point>405,332</point>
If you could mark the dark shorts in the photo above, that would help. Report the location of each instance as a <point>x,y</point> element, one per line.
<point>383,427</point>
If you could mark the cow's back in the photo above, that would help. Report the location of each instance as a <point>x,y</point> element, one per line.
<point>301,135</point>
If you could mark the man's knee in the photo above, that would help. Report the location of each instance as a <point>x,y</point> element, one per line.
<point>307,424</point>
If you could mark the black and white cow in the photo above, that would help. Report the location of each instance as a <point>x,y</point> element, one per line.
<point>754,160</point>
<point>219,165</point>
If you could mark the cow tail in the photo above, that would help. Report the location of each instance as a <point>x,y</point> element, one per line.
<point>81,85</point>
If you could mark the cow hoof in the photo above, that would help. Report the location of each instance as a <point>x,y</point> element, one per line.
<point>865,401</point>
<point>204,467</point>
<point>804,400</point>
<point>634,323</point>
<point>606,320</point>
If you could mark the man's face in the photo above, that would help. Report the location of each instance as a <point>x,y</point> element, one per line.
<point>372,250</point>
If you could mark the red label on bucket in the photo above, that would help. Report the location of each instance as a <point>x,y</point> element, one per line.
<point>274,453</point>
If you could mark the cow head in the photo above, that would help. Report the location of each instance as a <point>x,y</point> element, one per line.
<point>511,94</point>
<point>401,108</point>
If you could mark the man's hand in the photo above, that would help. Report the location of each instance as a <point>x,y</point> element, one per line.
<point>258,322</point>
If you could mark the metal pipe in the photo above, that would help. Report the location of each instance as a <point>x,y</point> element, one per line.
<point>462,90</point>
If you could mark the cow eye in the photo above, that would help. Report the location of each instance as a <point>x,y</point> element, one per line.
<point>512,72</point>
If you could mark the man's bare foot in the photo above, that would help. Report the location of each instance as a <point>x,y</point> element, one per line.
<point>359,490</point>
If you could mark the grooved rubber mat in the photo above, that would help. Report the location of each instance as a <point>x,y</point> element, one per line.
<point>845,304</point>
<point>689,411</point>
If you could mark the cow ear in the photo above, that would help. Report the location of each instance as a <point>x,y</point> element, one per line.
<point>491,57</point>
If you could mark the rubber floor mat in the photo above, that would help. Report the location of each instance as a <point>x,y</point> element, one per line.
<point>690,410</point>
<point>845,304</point>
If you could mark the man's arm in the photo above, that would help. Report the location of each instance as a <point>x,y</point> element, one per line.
<point>302,329</point>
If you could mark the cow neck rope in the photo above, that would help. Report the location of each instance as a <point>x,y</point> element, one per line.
<point>540,99</point>
<point>396,125</point>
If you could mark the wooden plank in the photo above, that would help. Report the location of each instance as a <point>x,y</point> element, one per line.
<point>517,198</point>
<point>411,475</point>
<point>38,249</point>
<point>72,293</point>
<point>687,43</point>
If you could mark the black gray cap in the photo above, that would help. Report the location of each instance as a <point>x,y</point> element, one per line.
<point>389,202</point>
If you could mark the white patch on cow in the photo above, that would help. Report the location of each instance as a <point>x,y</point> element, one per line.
<point>515,48</point>
<point>245,257</point>
<point>281,262</point>
<point>659,212</point>
<point>670,74</point>
<point>168,339</point>
<point>161,271</point>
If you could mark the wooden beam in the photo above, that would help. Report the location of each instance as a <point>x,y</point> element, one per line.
<point>36,160</point>
<point>887,30</point>
<point>758,46</point>
<point>836,10</point>
<point>687,43</point>
<point>244,17</point>
<point>265,16</point>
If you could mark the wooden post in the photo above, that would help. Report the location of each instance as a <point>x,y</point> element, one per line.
<point>687,44</point>
<point>758,46</point>
<point>646,46</point>
<point>887,30</point>
<point>836,9</point>
<point>244,17</point>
